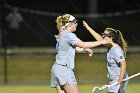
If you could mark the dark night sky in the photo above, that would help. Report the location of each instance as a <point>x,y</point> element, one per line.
<point>76,6</point>
<point>38,30</point>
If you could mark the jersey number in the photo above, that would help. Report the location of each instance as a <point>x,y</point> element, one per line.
<point>57,47</point>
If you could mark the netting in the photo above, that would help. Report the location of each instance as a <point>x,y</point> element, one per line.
<point>35,28</point>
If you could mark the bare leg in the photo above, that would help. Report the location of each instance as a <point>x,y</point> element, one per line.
<point>59,89</point>
<point>71,88</point>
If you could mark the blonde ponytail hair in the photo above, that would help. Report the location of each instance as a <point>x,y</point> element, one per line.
<point>61,20</point>
<point>122,43</point>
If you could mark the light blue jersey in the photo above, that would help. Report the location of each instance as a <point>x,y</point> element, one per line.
<point>62,71</point>
<point>66,49</point>
<point>114,56</point>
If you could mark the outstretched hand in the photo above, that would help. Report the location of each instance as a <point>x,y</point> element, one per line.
<point>85,24</point>
<point>106,40</point>
<point>120,80</point>
<point>89,51</point>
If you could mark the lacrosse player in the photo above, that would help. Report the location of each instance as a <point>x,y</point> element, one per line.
<point>116,53</point>
<point>62,75</point>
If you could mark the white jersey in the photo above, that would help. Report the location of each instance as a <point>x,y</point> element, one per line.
<point>66,49</point>
<point>114,56</point>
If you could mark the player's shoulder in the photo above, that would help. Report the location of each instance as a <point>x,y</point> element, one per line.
<point>117,48</point>
<point>70,35</point>
<point>67,33</point>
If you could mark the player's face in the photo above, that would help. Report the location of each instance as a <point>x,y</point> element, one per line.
<point>105,34</point>
<point>74,26</point>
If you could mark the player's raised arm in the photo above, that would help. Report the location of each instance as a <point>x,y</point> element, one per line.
<point>92,44</point>
<point>92,32</point>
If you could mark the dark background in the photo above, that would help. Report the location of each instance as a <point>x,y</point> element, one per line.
<point>38,27</point>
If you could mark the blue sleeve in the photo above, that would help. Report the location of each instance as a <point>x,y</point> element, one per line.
<point>119,55</point>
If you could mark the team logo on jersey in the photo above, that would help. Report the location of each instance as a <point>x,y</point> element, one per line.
<point>121,57</point>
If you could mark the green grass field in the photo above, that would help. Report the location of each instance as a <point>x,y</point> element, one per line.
<point>37,67</point>
<point>32,68</point>
<point>83,88</point>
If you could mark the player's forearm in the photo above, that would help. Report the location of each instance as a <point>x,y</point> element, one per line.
<point>123,69</point>
<point>94,33</point>
<point>79,49</point>
<point>88,44</point>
